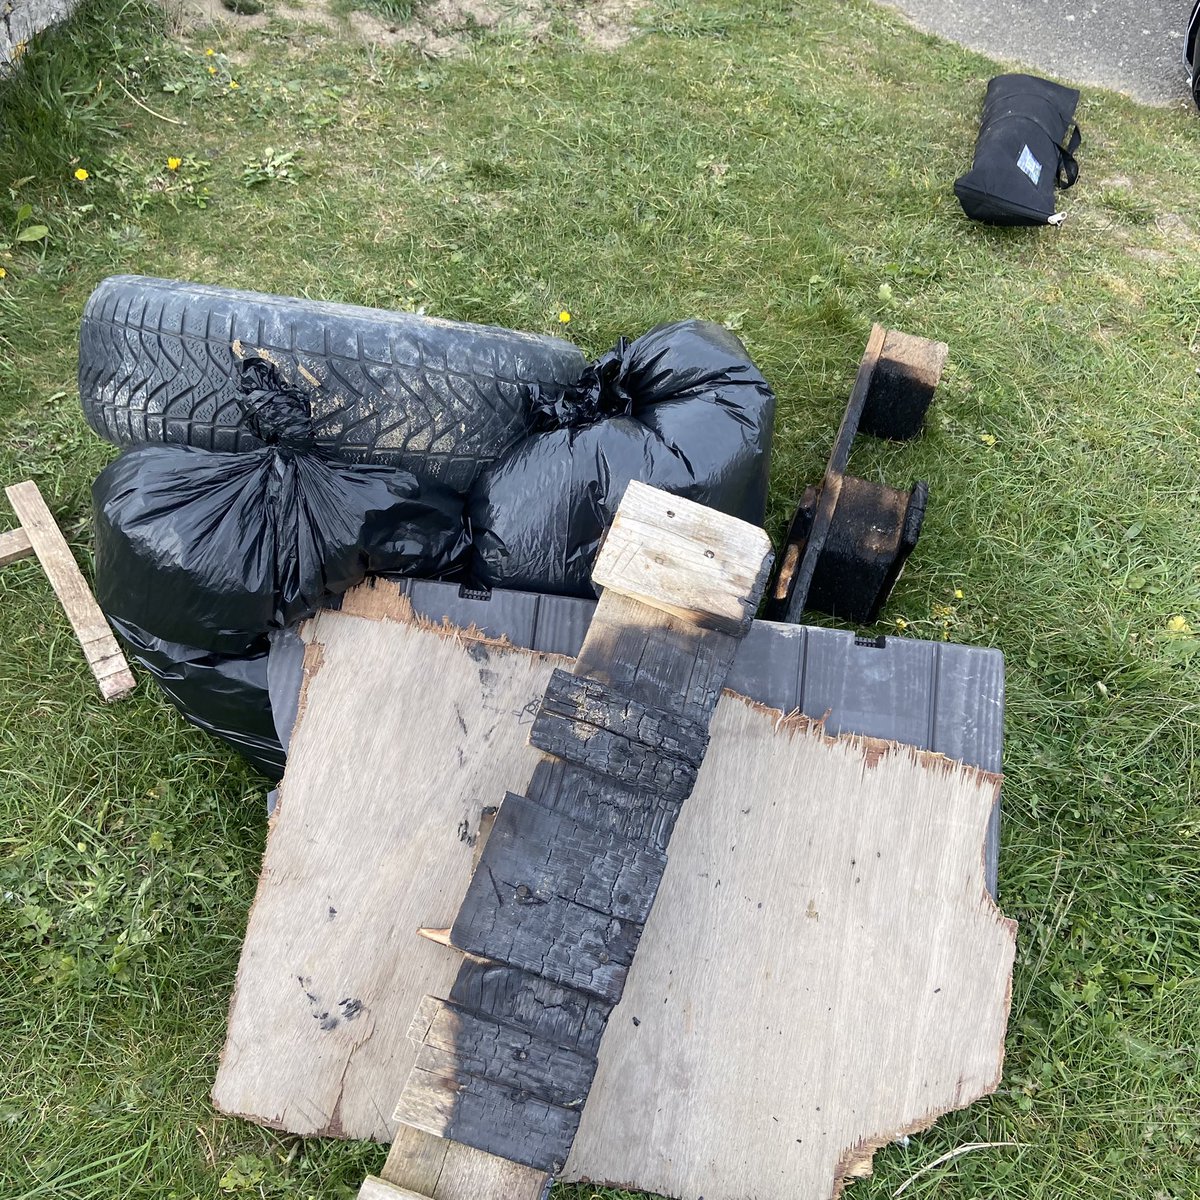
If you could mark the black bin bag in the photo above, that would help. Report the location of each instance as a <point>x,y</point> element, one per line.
<point>225,694</point>
<point>200,555</point>
<point>682,408</point>
<point>1025,149</point>
<point>210,549</point>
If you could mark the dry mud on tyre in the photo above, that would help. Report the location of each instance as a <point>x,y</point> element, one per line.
<point>442,399</point>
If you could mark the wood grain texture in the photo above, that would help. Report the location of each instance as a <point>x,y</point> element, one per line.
<point>558,899</point>
<point>96,639</point>
<point>374,1188</point>
<point>14,545</point>
<point>452,1037</point>
<point>489,1116</point>
<point>683,558</point>
<point>563,1015</point>
<point>372,838</point>
<point>822,973</point>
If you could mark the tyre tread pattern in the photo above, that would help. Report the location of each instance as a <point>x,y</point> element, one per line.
<point>439,398</point>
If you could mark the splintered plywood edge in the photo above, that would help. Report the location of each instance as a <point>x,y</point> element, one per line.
<point>96,639</point>
<point>683,558</point>
<point>864,974</point>
<point>392,763</point>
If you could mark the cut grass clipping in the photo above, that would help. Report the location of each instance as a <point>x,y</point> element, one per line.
<point>783,168</point>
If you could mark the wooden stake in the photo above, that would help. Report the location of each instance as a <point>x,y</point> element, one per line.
<point>45,539</point>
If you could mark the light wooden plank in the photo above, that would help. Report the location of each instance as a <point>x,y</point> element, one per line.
<point>685,559</point>
<point>401,818</point>
<point>95,637</point>
<point>452,1171</point>
<point>358,859</point>
<point>374,1188</point>
<point>419,1159</point>
<point>14,545</point>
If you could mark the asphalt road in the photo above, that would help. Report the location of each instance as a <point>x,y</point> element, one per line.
<point>1133,46</point>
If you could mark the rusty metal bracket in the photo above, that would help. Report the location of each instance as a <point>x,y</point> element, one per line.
<point>849,538</point>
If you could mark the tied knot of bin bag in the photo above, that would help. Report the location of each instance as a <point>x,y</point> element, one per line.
<point>603,390</point>
<point>278,412</point>
<point>682,408</point>
<point>212,550</point>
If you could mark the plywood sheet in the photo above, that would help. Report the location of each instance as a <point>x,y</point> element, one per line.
<point>823,970</point>
<point>403,738</point>
<point>875,963</point>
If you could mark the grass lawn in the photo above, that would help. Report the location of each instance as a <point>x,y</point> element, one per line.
<point>782,167</point>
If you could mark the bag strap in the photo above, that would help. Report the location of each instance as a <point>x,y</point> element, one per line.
<point>1068,168</point>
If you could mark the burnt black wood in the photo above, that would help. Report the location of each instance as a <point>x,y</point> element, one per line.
<point>564,884</point>
<point>559,898</point>
<point>592,704</point>
<point>557,1014</point>
<point>464,1042</point>
<point>491,1116</point>
<point>587,796</point>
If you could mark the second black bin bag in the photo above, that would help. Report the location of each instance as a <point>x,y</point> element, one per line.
<point>681,408</point>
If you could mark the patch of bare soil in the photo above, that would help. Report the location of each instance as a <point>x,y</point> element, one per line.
<point>191,14</point>
<point>443,28</point>
<point>440,28</point>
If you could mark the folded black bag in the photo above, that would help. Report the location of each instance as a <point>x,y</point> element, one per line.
<point>225,694</point>
<point>1025,148</point>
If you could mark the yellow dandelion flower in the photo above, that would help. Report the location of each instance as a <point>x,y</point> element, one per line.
<point>988,439</point>
<point>210,52</point>
<point>958,593</point>
<point>3,273</point>
<point>173,163</point>
<point>901,623</point>
<point>212,70</point>
<point>82,175</point>
<point>233,83</point>
<point>564,317</point>
<point>1178,624</point>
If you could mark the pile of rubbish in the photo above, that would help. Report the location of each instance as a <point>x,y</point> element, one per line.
<point>278,451</point>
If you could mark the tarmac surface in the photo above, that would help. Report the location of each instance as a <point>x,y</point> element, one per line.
<point>1132,46</point>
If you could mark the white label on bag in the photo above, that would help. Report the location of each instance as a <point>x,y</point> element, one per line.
<point>1030,165</point>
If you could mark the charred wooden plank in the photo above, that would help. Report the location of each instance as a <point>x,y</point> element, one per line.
<point>590,702</point>
<point>490,1117</point>
<point>635,764</point>
<point>561,899</point>
<point>655,657</point>
<point>540,855</point>
<point>561,890</point>
<point>455,1040</point>
<point>559,1014</point>
<point>594,800</point>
